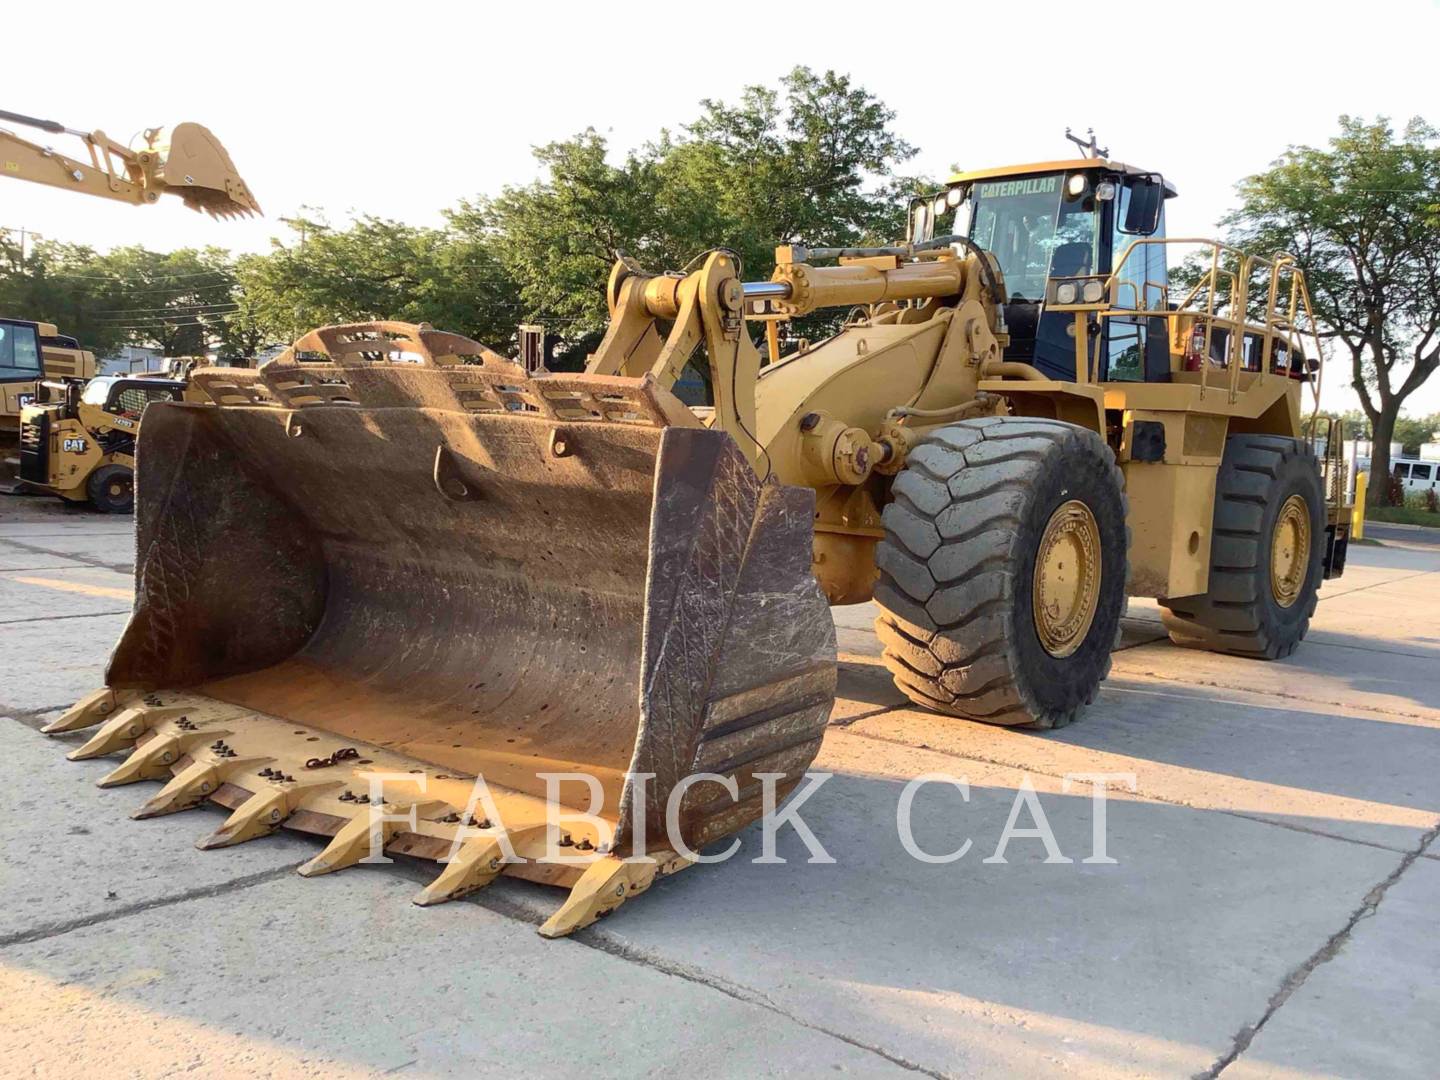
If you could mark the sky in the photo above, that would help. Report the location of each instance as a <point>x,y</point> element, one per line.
<point>402,110</point>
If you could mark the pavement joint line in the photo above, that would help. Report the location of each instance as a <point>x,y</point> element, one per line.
<point>51,930</point>
<point>51,618</point>
<point>32,569</point>
<point>1140,792</point>
<point>601,940</point>
<point>607,943</point>
<point>1192,681</point>
<point>1296,978</point>
<point>35,549</point>
<point>846,721</point>
<point>1365,648</point>
<point>1374,585</point>
<point>31,718</point>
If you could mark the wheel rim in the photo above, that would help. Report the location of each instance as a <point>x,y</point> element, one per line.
<point>1290,551</point>
<point>1066,588</point>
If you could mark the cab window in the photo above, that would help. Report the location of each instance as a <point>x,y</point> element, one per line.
<point>19,352</point>
<point>132,400</point>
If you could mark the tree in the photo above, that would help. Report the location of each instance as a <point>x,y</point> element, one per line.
<point>173,301</point>
<point>371,269</point>
<point>59,283</point>
<point>1411,431</point>
<point>811,161</point>
<point>1359,216</point>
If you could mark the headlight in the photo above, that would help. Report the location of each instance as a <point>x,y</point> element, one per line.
<point>1093,291</point>
<point>954,196</point>
<point>1065,293</point>
<point>938,206</point>
<point>1076,185</point>
<point>1105,191</point>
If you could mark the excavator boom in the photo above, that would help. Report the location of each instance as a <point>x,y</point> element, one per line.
<point>186,160</point>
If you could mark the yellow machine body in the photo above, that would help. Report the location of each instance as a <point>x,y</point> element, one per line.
<point>391,563</point>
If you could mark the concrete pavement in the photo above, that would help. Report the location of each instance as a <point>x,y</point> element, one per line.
<point>1269,911</point>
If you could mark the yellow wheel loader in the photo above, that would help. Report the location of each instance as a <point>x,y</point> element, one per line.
<point>31,352</point>
<point>391,564</point>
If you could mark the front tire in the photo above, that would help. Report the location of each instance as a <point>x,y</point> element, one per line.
<point>1266,554</point>
<point>1003,570</point>
<point>111,489</point>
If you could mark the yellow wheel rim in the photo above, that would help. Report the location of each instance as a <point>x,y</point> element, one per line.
<point>1067,578</point>
<point>1290,551</point>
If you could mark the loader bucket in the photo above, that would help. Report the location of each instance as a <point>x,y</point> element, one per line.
<point>369,577</point>
<point>191,163</point>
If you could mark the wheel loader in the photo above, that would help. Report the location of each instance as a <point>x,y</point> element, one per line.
<point>391,563</point>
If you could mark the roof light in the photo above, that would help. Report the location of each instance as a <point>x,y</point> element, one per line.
<point>1076,184</point>
<point>954,196</point>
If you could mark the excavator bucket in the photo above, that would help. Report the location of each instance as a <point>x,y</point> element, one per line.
<point>390,564</point>
<point>191,162</point>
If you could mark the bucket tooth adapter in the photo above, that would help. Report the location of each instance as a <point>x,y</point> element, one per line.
<point>390,565</point>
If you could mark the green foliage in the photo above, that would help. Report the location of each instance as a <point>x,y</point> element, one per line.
<point>1402,515</point>
<point>176,301</point>
<point>811,160</point>
<point>1411,431</point>
<point>1359,216</point>
<point>373,269</point>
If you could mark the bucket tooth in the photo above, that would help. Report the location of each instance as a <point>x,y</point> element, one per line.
<point>194,784</point>
<point>154,760</point>
<point>606,884</point>
<point>122,729</point>
<point>262,814</point>
<point>478,862</point>
<point>366,834</point>
<point>92,709</point>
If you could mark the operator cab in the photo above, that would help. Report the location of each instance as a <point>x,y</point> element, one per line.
<point>128,397</point>
<point>19,350</point>
<point>1064,219</point>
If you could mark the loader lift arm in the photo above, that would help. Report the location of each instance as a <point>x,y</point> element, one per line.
<point>186,160</point>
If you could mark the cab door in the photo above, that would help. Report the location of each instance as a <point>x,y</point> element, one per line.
<point>1137,348</point>
<point>20,367</point>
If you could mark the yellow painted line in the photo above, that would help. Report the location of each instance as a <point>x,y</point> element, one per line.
<point>106,591</point>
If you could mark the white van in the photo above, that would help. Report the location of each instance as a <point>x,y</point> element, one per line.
<point>1416,475</point>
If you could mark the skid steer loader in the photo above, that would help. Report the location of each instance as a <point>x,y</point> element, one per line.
<point>81,445</point>
<point>390,562</point>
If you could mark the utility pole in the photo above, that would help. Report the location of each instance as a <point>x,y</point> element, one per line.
<point>25,234</point>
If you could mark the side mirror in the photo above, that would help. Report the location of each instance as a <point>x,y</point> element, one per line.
<point>922,222</point>
<point>1147,199</point>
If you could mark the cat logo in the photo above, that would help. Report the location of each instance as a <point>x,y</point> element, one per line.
<point>73,446</point>
<point>25,399</point>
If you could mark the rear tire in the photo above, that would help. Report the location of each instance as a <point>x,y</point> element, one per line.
<point>111,489</point>
<point>971,511</point>
<point>1245,610</point>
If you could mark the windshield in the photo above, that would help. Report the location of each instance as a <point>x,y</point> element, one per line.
<point>19,352</point>
<point>96,391</point>
<point>1034,230</point>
